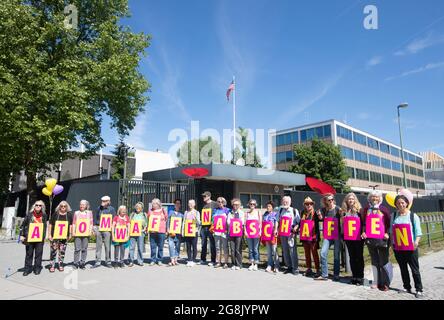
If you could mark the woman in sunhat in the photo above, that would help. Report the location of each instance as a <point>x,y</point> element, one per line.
<point>311,246</point>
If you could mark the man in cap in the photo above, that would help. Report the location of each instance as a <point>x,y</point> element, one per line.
<point>205,231</point>
<point>103,237</point>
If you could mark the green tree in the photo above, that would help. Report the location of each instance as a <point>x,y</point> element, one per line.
<point>118,162</point>
<point>323,161</point>
<point>204,151</point>
<point>246,151</point>
<point>58,82</point>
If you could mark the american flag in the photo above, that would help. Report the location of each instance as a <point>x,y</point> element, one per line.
<point>230,88</point>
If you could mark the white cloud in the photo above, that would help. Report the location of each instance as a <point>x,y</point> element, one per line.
<point>374,61</point>
<point>418,45</point>
<point>427,67</point>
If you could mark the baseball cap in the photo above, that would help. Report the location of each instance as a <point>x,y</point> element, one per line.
<point>206,194</point>
<point>105,198</point>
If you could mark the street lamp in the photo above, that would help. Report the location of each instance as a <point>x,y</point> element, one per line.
<point>402,105</point>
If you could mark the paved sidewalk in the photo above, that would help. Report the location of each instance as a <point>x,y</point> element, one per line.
<point>191,283</point>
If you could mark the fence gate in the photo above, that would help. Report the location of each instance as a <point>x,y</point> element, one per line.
<point>133,191</point>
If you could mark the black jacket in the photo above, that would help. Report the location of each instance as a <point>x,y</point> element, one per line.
<point>25,226</point>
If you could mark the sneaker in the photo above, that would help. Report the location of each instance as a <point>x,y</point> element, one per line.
<point>192,264</point>
<point>225,266</point>
<point>26,273</point>
<point>276,270</point>
<point>108,265</point>
<point>288,271</point>
<point>210,264</point>
<point>37,271</point>
<point>238,268</point>
<point>268,269</point>
<point>159,263</point>
<point>152,263</point>
<point>250,268</point>
<point>295,272</point>
<point>82,266</point>
<point>405,291</point>
<point>218,265</point>
<point>336,278</point>
<point>419,295</point>
<point>130,264</point>
<point>202,262</point>
<point>321,278</point>
<point>188,264</point>
<point>233,268</point>
<point>255,267</point>
<point>75,266</point>
<point>96,265</point>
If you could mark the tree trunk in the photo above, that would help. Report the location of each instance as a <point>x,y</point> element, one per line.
<point>31,187</point>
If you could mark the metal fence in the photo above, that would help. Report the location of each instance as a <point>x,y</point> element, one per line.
<point>133,191</point>
<point>431,221</point>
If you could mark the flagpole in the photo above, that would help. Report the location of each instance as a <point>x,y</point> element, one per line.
<point>234,121</point>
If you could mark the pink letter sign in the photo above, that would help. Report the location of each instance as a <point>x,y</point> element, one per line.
<point>267,230</point>
<point>285,227</point>
<point>352,228</point>
<point>374,227</point>
<point>402,239</point>
<point>307,230</point>
<point>330,230</point>
<point>236,228</point>
<point>252,229</point>
<point>220,223</point>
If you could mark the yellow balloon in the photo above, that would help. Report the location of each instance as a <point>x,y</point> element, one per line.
<point>46,192</point>
<point>50,184</point>
<point>390,198</point>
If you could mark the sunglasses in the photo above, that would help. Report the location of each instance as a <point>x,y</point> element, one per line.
<point>330,200</point>
<point>252,204</point>
<point>63,206</point>
<point>308,204</point>
<point>37,205</point>
<point>236,204</point>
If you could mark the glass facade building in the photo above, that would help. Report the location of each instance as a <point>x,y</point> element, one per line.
<point>370,160</point>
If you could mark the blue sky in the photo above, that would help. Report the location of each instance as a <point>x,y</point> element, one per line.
<point>295,62</point>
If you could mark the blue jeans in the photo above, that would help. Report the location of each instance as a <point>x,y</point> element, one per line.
<point>174,246</point>
<point>253,249</point>
<point>156,244</point>
<point>273,259</point>
<point>324,257</point>
<point>290,254</point>
<point>140,241</point>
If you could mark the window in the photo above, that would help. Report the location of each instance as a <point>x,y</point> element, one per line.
<point>347,153</point>
<point>407,169</point>
<point>277,200</point>
<point>397,181</point>
<point>372,143</point>
<point>396,166</point>
<point>395,152</point>
<point>419,160</point>
<point>351,172</point>
<point>344,133</point>
<point>295,137</point>
<point>374,160</point>
<point>384,147</point>
<point>244,198</point>
<point>280,157</point>
<point>327,131</point>
<point>415,184</point>
<point>359,138</point>
<point>421,185</point>
<point>362,174</point>
<point>420,173</point>
<point>385,163</point>
<point>361,156</point>
<point>287,138</point>
<point>289,156</point>
<point>413,171</point>
<point>387,179</point>
<point>375,177</point>
<point>280,140</point>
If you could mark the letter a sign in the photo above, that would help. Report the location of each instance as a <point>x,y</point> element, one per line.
<point>35,232</point>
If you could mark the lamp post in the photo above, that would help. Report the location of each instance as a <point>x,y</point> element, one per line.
<point>402,105</point>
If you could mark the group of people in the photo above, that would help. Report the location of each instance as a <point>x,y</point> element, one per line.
<point>215,223</point>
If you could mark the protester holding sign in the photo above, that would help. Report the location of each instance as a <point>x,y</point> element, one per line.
<point>82,225</point>
<point>253,221</point>
<point>138,226</point>
<point>310,236</point>
<point>375,226</point>
<point>174,224</point>
<point>352,237</point>
<point>269,237</point>
<point>120,232</point>
<point>207,213</point>
<point>157,220</point>
<point>32,235</point>
<point>406,233</point>
<point>289,219</point>
<point>330,214</point>
<point>219,227</point>
<point>191,217</point>
<point>102,229</point>
<point>60,232</point>
<point>236,222</point>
